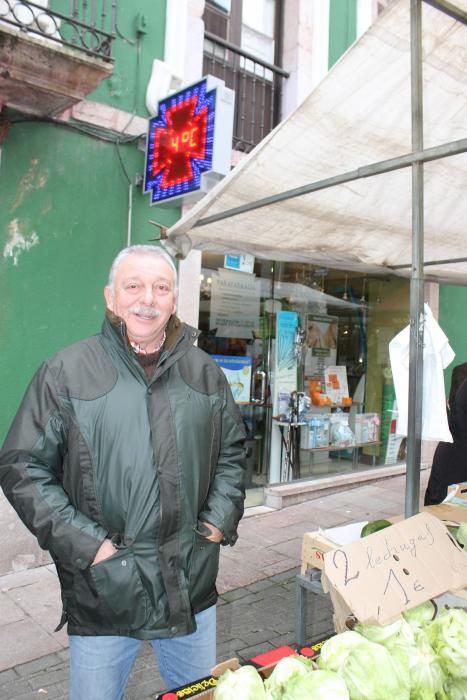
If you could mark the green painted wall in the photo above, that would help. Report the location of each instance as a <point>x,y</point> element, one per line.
<point>63,217</point>
<point>342,27</point>
<point>452,305</point>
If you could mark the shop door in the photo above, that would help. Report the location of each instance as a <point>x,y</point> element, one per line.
<point>237,321</point>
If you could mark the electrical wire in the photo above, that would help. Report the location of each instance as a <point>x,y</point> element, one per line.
<point>99,132</point>
<point>132,42</point>
<point>136,90</point>
<point>122,164</point>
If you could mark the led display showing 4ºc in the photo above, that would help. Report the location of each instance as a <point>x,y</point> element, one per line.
<point>180,143</point>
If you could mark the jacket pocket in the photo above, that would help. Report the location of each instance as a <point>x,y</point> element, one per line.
<point>215,442</point>
<point>123,599</point>
<point>203,569</point>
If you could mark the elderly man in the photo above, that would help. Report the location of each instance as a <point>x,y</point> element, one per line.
<point>126,460</point>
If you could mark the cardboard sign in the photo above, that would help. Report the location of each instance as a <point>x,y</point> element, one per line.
<point>395,569</point>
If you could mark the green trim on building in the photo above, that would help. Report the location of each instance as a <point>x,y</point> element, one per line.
<point>342,28</point>
<point>452,305</point>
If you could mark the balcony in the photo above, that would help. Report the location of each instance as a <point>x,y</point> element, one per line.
<point>49,61</point>
<point>257,86</point>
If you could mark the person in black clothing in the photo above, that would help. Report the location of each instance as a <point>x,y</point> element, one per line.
<point>450,458</point>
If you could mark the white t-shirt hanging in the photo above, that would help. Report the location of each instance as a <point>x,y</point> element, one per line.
<point>437,355</point>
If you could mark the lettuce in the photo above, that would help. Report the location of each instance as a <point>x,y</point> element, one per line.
<point>419,616</point>
<point>243,684</point>
<point>394,634</point>
<point>456,688</point>
<point>410,649</point>
<point>447,635</point>
<point>284,671</point>
<point>316,685</point>
<point>426,674</point>
<point>369,670</point>
<point>336,649</point>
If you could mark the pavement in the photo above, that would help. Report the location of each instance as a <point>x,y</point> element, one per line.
<point>256,583</point>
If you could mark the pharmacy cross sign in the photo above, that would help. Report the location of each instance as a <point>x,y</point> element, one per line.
<point>180,143</point>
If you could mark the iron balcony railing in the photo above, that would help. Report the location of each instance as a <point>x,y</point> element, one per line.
<point>257,85</point>
<point>89,25</point>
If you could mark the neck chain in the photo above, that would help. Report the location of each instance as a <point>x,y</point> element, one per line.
<point>142,351</point>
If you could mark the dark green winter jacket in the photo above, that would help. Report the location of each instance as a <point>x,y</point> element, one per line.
<point>96,450</point>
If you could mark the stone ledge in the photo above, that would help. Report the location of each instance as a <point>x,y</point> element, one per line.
<point>279,496</point>
<point>42,77</point>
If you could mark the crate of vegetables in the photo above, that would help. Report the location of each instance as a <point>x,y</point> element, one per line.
<point>421,656</point>
<point>236,676</point>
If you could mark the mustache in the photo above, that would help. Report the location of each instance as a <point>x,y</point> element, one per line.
<point>143,310</point>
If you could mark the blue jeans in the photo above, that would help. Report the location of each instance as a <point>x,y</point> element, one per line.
<point>100,666</point>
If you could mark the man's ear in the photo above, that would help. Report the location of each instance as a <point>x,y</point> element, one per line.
<point>109,298</point>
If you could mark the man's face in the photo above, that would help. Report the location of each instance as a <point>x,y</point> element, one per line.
<point>143,296</point>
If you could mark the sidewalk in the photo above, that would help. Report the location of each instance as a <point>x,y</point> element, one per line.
<point>256,583</point>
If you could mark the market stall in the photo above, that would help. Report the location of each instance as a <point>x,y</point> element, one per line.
<point>406,640</point>
<point>373,183</point>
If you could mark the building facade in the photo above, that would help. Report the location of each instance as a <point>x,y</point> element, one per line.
<point>273,55</point>
<point>72,130</point>
<point>71,165</point>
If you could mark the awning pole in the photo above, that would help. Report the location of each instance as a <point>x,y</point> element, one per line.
<point>415,406</point>
<point>449,9</point>
<point>444,150</point>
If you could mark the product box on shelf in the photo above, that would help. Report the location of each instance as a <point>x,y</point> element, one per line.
<point>340,433</point>
<point>318,431</point>
<point>316,544</point>
<point>314,547</point>
<point>366,427</point>
<point>264,663</point>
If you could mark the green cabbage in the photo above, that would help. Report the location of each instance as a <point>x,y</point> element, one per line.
<point>394,634</point>
<point>243,684</point>
<point>336,649</point>
<point>456,688</point>
<point>412,652</point>
<point>369,670</point>
<point>316,685</point>
<point>284,671</point>
<point>373,673</point>
<point>426,674</point>
<point>419,616</point>
<point>448,636</point>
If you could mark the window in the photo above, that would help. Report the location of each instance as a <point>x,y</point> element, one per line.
<point>254,28</point>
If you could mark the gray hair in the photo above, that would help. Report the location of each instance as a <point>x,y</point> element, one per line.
<point>153,250</point>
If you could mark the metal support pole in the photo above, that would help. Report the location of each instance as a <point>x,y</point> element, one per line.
<point>415,407</point>
<point>385,166</point>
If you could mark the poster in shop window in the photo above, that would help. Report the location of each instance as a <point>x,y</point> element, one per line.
<point>238,373</point>
<point>320,344</point>
<point>235,304</point>
<point>285,359</point>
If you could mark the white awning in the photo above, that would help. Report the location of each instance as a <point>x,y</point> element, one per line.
<point>359,115</point>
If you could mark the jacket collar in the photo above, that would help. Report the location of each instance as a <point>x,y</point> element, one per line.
<point>114,328</point>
